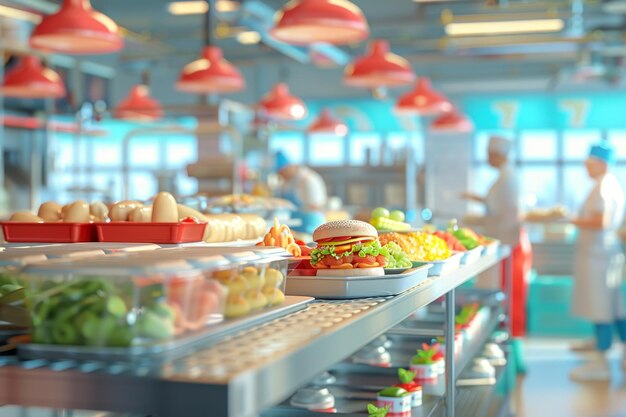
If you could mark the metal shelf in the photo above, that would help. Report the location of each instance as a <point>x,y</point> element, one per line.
<point>237,377</point>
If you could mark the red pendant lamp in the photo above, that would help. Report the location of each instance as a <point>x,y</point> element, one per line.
<point>280,104</point>
<point>452,122</point>
<point>379,68</point>
<point>327,123</point>
<point>337,22</point>
<point>423,100</point>
<point>139,106</point>
<point>211,73</point>
<point>30,79</point>
<point>77,29</point>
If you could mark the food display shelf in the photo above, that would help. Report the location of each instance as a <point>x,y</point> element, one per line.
<point>239,376</point>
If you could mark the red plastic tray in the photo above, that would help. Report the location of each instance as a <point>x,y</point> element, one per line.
<point>49,232</point>
<point>133,232</point>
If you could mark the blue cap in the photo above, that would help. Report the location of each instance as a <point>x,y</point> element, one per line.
<point>604,152</point>
<point>280,161</point>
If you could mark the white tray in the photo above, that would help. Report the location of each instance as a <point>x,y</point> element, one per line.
<point>444,266</point>
<point>491,248</point>
<point>471,256</point>
<point>356,287</point>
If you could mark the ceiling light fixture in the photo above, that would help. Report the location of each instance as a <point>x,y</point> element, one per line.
<point>379,68</point>
<point>452,122</point>
<point>182,8</point>
<point>76,28</point>
<point>30,79</point>
<point>139,106</point>
<point>327,123</point>
<point>302,22</point>
<point>280,104</point>
<point>504,27</point>
<point>249,37</point>
<point>211,73</point>
<point>227,6</point>
<point>423,100</point>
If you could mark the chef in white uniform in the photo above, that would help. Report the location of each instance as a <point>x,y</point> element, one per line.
<point>306,189</point>
<point>503,222</point>
<point>598,263</point>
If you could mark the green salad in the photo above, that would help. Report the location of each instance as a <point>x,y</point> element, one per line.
<point>396,257</point>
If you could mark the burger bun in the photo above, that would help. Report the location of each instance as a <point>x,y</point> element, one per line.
<point>352,228</point>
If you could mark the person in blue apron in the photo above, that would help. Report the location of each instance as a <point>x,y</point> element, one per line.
<point>306,189</point>
<point>598,263</point>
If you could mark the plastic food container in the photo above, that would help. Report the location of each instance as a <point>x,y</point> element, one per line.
<point>491,248</point>
<point>167,233</point>
<point>57,232</point>
<point>256,277</point>
<point>444,266</point>
<point>116,304</point>
<point>471,256</point>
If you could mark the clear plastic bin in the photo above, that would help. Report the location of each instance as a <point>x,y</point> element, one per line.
<point>117,304</point>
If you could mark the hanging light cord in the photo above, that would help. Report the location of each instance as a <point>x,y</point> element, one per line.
<point>207,23</point>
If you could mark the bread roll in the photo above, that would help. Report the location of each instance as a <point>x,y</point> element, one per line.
<point>121,210</point>
<point>215,230</point>
<point>50,211</point>
<point>26,217</point>
<point>256,226</point>
<point>164,209</point>
<point>141,214</point>
<point>184,211</point>
<point>77,212</point>
<point>99,210</point>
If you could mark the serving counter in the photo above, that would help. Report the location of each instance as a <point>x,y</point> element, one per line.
<point>243,374</point>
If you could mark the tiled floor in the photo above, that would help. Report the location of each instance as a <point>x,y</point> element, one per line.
<point>546,390</point>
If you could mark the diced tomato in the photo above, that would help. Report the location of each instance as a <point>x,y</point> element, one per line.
<point>190,220</point>
<point>382,261</point>
<point>369,259</point>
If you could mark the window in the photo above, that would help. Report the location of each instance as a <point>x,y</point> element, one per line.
<point>291,144</point>
<point>326,150</point>
<point>538,146</point>
<point>538,186</point>
<point>576,143</point>
<point>618,139</point>
<point>363,144</point>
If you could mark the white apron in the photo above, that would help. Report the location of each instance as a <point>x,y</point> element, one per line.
<point>598,258</point>
<point>502,219</point>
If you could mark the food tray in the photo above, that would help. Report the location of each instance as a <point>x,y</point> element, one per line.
<point>356,287</point>
<point>134,232</point>
<point>491,248</point>
<point>444,266</point>
<point>57,232</point>
<point>165,350</point>
<point>472,255</point>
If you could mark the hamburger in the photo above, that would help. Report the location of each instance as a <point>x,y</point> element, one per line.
<point>347,248</point>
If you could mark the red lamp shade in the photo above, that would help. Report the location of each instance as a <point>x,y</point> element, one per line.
<point>138,105</point>
<point>77,29</point>
<point>423,100</point>
<point>327,123</point>
<point>452,122</point>
<point>210,74</point>
<point>337,22</point>
<point>30,79</point>
<point>280,104</point>
<point>379,68</point>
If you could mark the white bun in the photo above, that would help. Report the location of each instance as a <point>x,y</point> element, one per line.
<point>352,228</point>
<point>354,272</point>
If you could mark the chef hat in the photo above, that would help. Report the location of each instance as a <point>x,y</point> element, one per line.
<point>281,161</point>
<point>500,145</point>
<point>603,151</point>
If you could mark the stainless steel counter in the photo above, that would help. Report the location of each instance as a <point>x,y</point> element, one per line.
<point>238,377</point>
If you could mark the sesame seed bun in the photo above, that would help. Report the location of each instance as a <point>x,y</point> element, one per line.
<point>352,228</point>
